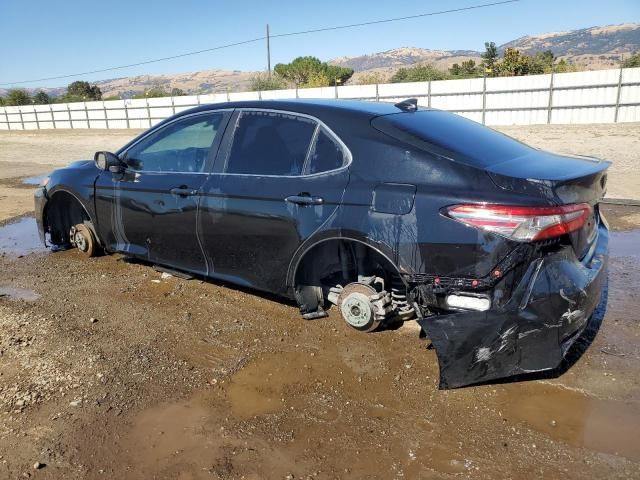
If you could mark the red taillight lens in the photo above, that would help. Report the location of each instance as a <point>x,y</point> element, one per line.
<point>523,224</point>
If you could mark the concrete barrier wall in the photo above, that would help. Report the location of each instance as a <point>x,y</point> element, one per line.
<point>602,96</point>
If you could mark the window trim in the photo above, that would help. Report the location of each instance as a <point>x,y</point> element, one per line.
<point>210,158</point>
<point>319,124</point>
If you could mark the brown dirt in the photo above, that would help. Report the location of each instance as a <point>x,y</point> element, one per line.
<point>186,379</point>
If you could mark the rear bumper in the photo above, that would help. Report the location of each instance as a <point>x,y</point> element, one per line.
<point>40,199</point>
<point>548,311</point>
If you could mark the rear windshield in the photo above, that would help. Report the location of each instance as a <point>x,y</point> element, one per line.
<point>453,136</point>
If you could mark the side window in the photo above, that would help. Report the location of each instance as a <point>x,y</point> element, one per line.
<point>269,143</point>
<point>326,154</point>
<point>182,146</point>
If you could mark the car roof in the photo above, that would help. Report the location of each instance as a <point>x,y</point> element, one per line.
<point>314,107</point>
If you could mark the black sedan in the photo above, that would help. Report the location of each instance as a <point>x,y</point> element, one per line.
<point>390,212</point>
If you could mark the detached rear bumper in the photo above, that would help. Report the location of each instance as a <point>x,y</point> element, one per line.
<point>548,311</point>
<point>41,199</point>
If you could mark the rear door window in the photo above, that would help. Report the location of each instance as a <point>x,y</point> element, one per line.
<point>326,154</point>
<point>269,143</point>
<point>453,136</point>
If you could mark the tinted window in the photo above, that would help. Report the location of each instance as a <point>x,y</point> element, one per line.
<point>182,146</point>
<point>326,154</point>
<point>467,141</point>
<point>270,143</point>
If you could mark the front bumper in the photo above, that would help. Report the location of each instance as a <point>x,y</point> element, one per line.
<point>547,312</point>
<point>40,198</point>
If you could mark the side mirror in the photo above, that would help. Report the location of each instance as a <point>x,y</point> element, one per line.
<point>108,161</point>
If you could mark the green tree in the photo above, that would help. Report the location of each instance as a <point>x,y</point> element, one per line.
<point>2,102</point>
<point>17,96</point>
<point>563,66</point>
<point>514,64</point>
<point>489,58</point>
<point>418,73</point>
<point>302,69</point>
<point>41,98</point>
<point>177,92</point>
<point>79,90</point>
<point>455,70</point>
<point>469,68</point>
<point>264,81</point>
<point>632,61</point>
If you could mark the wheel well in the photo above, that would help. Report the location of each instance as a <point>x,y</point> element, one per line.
<point>62,212</point>
<point>341,261</point>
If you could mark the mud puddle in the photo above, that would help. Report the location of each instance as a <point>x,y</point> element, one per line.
<point>20,238</point>
<point>15,293</point>
<point>33,181</point>
<point>609,426</point>
<point>625,244</point>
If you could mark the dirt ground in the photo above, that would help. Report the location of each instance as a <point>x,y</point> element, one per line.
<point>108,370</point>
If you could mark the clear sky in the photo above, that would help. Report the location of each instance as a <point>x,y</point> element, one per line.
<point>44,38</point>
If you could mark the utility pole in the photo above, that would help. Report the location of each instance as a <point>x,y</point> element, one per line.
<point>268,52</point>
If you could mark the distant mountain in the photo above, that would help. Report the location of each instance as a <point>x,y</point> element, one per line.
<point>590,48</point>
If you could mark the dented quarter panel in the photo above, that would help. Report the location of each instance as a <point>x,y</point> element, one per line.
<point>550,307</point>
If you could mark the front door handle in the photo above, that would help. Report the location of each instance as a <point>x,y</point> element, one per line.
<point>304,200</point>
<point>183,191</point>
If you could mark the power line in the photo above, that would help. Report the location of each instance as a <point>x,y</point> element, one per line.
<point>258,39</point>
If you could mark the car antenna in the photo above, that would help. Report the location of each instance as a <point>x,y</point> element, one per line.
<point>408,105</point>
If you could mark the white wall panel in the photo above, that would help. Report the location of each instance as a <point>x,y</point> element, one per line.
<point>457,86</point>
<point>629,114</point>
<point>320,92</point>
<point>214,98</point>
<point>403,90</point>
<point>509,101</point>
<point>357,91</point>
<point>279,94</point>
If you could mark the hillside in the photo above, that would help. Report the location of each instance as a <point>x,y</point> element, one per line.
<point>589,48</point>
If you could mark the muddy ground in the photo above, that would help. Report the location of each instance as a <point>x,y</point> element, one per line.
<point>108,370</point>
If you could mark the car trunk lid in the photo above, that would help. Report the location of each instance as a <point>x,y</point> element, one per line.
<point>563,180</point>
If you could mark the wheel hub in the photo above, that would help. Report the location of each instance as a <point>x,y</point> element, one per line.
<point>356,309</point>
<point>80,241</point>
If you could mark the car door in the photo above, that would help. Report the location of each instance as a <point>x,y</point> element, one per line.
<point>149,210</point>
<point>278,177</point>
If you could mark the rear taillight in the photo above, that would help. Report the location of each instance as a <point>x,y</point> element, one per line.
<point>523,224</point>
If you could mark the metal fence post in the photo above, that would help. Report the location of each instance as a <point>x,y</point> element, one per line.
<point>429,94</point>
<point>297,91</point>
<point>377,94</point>
<point>335,90</point>
<point>173,106</point>
<point>259,94</point>
<point>37,119</point>
<point>21,119</point>
<point>550,104</point>
<point>53,116</point>
<point>615,116</point>
<point>69,114</point>
<point>86,114</point>
<point>126,113</point>
<point>484,99</point>
<point>228,97</point>
<point>104,110</point>
<point>148,111</point>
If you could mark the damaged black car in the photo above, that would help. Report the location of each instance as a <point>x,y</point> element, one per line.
<point>388,212</point>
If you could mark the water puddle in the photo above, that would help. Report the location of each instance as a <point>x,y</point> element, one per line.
<point>20,238</point>
<point>35,180</point>
<point>566,415</point>
<point>625,244</point>
<point>16,293</point>
<point>261,387</point>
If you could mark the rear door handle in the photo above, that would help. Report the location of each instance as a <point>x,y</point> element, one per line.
<point>183,191</point>
<point>304,200</point>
